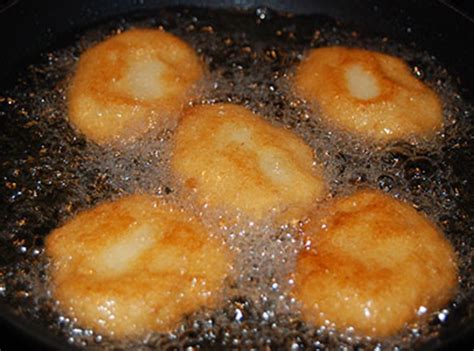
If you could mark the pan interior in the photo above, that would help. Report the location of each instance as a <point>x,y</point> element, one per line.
<point>49,172</point>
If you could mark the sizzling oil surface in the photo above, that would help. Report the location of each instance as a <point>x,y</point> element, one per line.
<point>49,172</point>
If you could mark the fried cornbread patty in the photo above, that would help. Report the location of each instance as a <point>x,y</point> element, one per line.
<point>235,161</point>
<point>369,94</point>
<point>372,263</point>
<point>135,265</point>
<point>130,83</point>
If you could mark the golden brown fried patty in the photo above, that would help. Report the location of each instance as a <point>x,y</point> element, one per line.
<point>237,162</point>
<point>368,93</point>
<point>135,265</point>
<point>372,263</point>
<point>130,83</point>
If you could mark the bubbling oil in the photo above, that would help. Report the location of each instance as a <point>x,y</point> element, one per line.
<point>52,172</point>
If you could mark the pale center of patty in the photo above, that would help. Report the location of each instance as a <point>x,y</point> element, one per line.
<point>272,163</point>
<point>361,83</point>
<point>117,258</point>
<point>276,168</point>
<point>143,80</point>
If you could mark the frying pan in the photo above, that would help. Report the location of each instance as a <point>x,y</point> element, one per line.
<point>28,28</point>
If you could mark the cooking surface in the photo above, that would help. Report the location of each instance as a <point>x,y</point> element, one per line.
<point>49,172</point>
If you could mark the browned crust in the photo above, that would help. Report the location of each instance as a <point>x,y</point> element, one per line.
<point>102,113</point>
<point>404,108</point>
<point>227,173</point>
<point>152,292</point>
<point>372,262</point>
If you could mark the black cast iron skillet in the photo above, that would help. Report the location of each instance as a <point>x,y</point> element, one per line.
<point>28,28</point>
